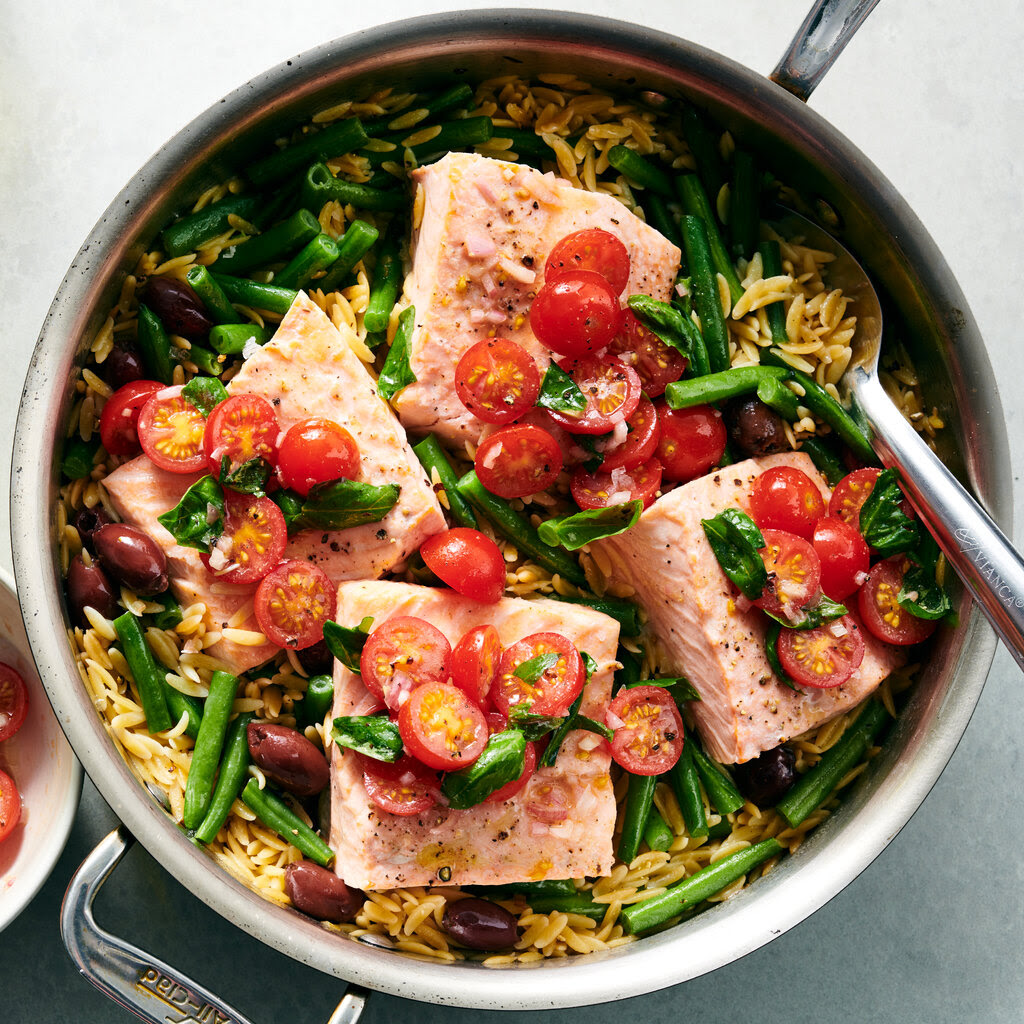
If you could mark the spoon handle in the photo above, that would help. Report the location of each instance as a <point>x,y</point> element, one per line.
<point>978,550</point>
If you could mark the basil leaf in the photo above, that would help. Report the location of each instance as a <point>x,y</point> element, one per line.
<point>825,610</point>
<point>559,392</point>
<point>373,735</point>
<point>587,443</point>
<point>169,615</point>
<point>205,393</point>
<point>568,723</point>
<point>682,688</point>
<point>396,373</point>
<point>346,643</point>
<point>573,532</point>
<point>771,650</point>
<point>736,541</point>
<point>922,596</point>
<point>198,519</point>
<point>532,669</point>
<point>533,727</point>
<point>884,525</point>
<point>247,478</point>
<point>589,725</point>
<point>502,761</point>
<point>589,664</point>
<point>336,505</point>
<point>673,328</point>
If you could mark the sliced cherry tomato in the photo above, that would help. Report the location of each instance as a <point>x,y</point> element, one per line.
<point>554,689</point>
<point>403,788</point>
<point>601,490</point>
<point>881,611</point>
<point>784,498</point>
<point>692,441</point>
<point>292,603</point>
<point>476,660</point>
<point>850,494</point>
<point>648,730</point>
<point>119,421</point>
<point>13,701</point>
<point>548,800</point>
<point>253,541</point>
<point>576,313</point>
<point>612,391</point>
<point>497,380</point>
<point>10,805</point>
<point>496,721</point>
<point>519,460</point>
<point>509,790</point>
<point>845,557</point>
<point>315,451</point>
<point>641,434</point>
<point>591,249</point>
<point>823,657</point>
<point>657,364</point>
<point>241,428</point>
<point>794,573</point>
<point>402,653</point>
<point>442,727</point>
<point>468,561</point>
<point>171,431</point>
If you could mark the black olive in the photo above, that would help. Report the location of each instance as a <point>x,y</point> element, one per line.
<point>316,659</point>
<point>767,778</point>
<point>480,924</point>
<point>754,428</point>
<point>321,893</point>
<point>88,520</point>
<point>123,366</point>
<point>88,586</point>
<point>133,557</point>
<point>178,307</point>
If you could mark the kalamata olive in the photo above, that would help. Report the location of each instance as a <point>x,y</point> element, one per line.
<point>766,779</point>
<point>480,924</point>
<point>88,520</point>
<point>754,428</point>
<point>321,893</point>
<point>287,757</point>
<point>87,585</point>
<point>316,659</point>
<point>179,308</point>
<point>122,366</point>
<point>132,557</point>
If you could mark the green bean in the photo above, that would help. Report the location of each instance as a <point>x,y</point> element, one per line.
<point>518,529</point>
<point>205,360</point>
<point>744,206</point>
<point>576,903</point>
<point>78,457</point>
<point>387,279</point>
<point>526,143</point>
<point>155,346</point>
<point>184,704</point>
<point>704,289</point>
<point>234,766</point>
<point>639,802</point>
<point>463,133</point>
<point>717,387</point>
<point>814,786</point>
<point>278,816</point>
<point>626,613</point>
<point>825,458</point>
<point>685,784</point>
<point>629,674</point>
<point>720,830</point>
<point>704,147</point>
<point>335,140</point>
<point>271,246</point>
<point>774,393</point>
<point>206,753</point>
<point>674,328</point>
<point>639,917</point>
<point>432,456</point>
<point>321,186</point>
<point>657,835</point>
<point>212,295</point>
<point>195,230</point>
<point>270,297</point>
<point>661,219</point>
<point>721,790</point>
<point>640,171</point>
<point>551,887</point>
<point>357,241</point>
<point>771,264</point>
<point>231,339</point>
<point>310,260</point>
<point>695,203</point>
<point>148,676</point>
<point>313,708</point>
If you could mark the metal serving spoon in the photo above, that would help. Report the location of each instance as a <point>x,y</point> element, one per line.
<point>983,558</point>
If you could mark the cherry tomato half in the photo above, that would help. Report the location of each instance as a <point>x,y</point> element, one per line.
<point>648,730</point>
<point>497,380</point>
<point>602,490</point>
<point>552,690</point>
<point>823,657</point>
<point>13,701</point>
<point>509,790</point>
<point>476,659</point>
<point>519,460</point>
<point>850,494</point>
<point>242,428</point>
<point>657,364</point>
<point>119,421</point>
<point>171,431</point>
<point>253,541</point>
<point>404,788</point>
<point>881,611</point>
<point>468,561</point>
<point>692,441</point>
<point>592,249</point>
<point>576,313</point>
<point>794,573</point>
<point>442,727</point>
<point>845,557</point>
<point>612,391</point>
<point>315,451</point>
<point>402,653</point>
<point>785,498</point>
<point>642,432</point>
<point>10,805</point>
<point>292,603</point>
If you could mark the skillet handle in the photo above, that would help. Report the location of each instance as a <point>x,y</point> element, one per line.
<point>826,30</point>
<point>139,982</point>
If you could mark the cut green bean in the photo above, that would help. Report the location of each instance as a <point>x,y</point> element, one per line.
<point>771,266</point>
<point>216,302</point>
<point>721,829</point>
<point>814,787</point>
<point>179,704</point>
<point>640,917</point>
<point>205,360</point>
<point>640,171</point>
<point>639,802</point>
<point>335,140</point>
<point>206,753</point>
<point>234,767</point>
<point>318,700</point>
<point>675,329</point>
<point>744,206</point>
<point>387,279</point>
<point>774,393</point>
<point>321,186</point>
<point>662,220</point>
<point>256,295</point>
<point>553,887</point>
<point>526,143</point>
<point>78,456</point>
<point>313,258</point>
<point>721,790</point>
<point>685,784</point>
<point>517,528</point>
<point>695,203</point>
<point>824,456</point>
<point>357,241</point>
<point>577,903</point>
<point>463,133</point>
<point>657,835</point>
<point>231,339</point>
<point>278,816</point>
<point>626,613</point>
<point>195,230</point>
<point>155,346</point>
<point>148,676</point>
<point>432,457</point>
<point>704,147</point>
<point>717,387</point>
<point>274,245</point>
<point>704,291</point>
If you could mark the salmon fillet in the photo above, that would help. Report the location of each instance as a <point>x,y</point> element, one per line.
<point>306,370</point>
<point>479,251</point>
<point>666,557</point>
<point>489,844</point>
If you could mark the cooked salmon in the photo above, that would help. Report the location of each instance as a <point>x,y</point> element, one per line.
<point>306,370</point>
<point>691,610</point>
<point>489,844</point>
<point>484,233</point>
